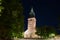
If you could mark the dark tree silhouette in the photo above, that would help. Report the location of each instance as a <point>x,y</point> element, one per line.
<point>11,19</point>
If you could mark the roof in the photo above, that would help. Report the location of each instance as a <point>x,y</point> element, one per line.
<point>31,14</point>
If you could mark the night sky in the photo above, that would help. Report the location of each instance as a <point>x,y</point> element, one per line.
<point>45,12</point>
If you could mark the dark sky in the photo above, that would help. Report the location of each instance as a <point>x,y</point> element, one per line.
<point>45,11</point>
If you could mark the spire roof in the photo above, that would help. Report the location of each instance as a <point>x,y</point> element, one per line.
<point>31,14</point>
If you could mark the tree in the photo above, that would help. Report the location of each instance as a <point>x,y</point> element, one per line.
<point>12,18</point>
<point>45,31</point>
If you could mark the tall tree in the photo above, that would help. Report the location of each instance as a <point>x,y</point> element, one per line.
<point>11,19</point>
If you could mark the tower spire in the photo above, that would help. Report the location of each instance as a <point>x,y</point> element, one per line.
<point>31,14</point>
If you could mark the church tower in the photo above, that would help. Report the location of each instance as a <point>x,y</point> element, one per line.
<point>31,20</point>
<point>31,27</point>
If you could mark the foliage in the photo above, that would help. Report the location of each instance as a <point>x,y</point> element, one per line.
<point>45,31</point>
<point>12,18</point>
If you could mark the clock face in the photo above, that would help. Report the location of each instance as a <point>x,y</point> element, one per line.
<point>31,22</point>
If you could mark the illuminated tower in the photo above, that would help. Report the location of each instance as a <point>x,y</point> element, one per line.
<point>31,29</point>
<point>31,20</point>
